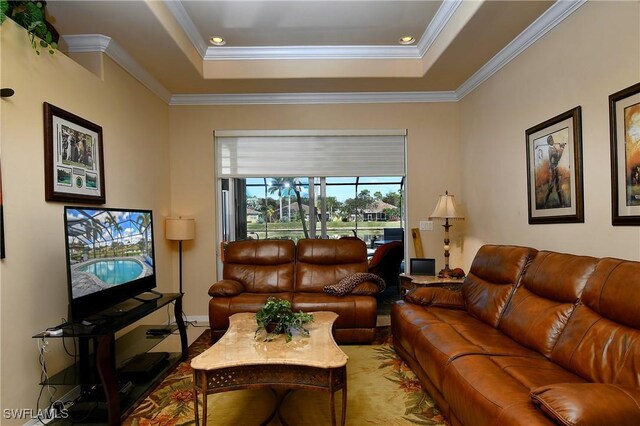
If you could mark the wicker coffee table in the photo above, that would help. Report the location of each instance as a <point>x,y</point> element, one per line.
<point>241,361</point>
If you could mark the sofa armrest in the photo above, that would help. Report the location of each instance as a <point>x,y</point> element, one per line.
<point>366,288</point>
<point>358,283</point>
<point>436,296</point>
<point>226,288</point>
<point>589,403</point>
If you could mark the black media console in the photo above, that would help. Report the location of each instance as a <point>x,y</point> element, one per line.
<point>114,374</point>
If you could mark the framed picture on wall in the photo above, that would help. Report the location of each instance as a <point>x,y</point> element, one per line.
<point>624,124</point>
<point>74,166</point>
<point>554,169</point>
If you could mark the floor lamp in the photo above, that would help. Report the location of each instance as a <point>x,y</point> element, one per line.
<point>180,230</point>
<point>446,209</point>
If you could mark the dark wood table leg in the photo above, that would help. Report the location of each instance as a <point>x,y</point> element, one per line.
<point>344,401</point>
<point>182,329</point>
<point>204,397</point>
<point>106,371</point>
<point>195,396</point>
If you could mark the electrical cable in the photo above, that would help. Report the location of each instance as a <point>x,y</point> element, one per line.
<point>44,378</point>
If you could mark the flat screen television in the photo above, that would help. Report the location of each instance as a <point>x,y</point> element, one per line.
<point>110,260</point>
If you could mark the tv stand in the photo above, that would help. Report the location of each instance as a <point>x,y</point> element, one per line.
<point>100,355</point>
<point>123,308</point>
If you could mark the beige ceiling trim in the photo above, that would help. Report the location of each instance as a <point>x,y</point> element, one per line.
<point>552,17</point>
<point>314,68</point>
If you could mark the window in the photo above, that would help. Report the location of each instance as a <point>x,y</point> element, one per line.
<point>316,184</point>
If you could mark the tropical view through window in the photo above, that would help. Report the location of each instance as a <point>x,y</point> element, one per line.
<point>331,207</point>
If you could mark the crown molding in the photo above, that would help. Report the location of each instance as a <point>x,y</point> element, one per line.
<point>547,21</point>
<point>84,43</point>
<point>226,53</point>
<point>180,13</point>
<point>440,19</point>
<point>100,43</point>
<point>538,28</point>
<point>313,98</point>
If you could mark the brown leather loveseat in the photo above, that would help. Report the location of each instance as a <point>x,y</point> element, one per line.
<point>533,338</point>
<point>255,270</point>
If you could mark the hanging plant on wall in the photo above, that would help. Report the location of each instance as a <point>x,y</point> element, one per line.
<point>31,16</point>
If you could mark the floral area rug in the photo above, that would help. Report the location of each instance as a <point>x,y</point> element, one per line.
<point>382,390</point>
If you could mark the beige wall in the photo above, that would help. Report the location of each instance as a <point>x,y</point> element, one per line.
<point>33,294</point>
<point>162,158</point>
<point>433,166</point>
<point>592,54</point>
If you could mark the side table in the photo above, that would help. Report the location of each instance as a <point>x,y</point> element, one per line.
<point>410,282</point>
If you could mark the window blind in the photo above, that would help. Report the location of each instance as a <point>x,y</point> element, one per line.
<point>310,153</point>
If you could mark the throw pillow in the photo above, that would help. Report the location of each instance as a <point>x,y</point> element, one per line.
<point>348,283</point>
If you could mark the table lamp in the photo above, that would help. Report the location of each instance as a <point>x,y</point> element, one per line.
<point>446,209</point>
<point>179,229</point>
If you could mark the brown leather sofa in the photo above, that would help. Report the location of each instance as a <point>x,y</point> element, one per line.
<point>533,338</point>
<point>255,270</point>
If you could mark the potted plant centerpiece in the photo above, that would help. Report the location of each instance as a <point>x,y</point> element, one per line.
<point>276,317</point>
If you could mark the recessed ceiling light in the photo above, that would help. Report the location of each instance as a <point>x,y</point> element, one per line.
<point>407,40</point>
<point>217,41</point>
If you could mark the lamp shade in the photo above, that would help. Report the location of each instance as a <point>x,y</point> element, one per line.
<point>180,229</point>
<point>446,208</point>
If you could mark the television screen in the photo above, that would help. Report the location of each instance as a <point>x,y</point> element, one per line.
<point>110,257</point>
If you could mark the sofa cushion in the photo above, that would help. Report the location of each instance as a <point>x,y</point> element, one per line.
<point>595,344</point>
<point>541,306</point>
<point>486,390</point>
<point>459,334</point>
<point>353,311</point>
<point>324,262</point>
<point>261,266</point>
<point>493,276</point>
<point>589,404</point>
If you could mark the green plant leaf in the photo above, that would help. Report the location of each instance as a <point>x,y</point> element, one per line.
<point>4,8</point>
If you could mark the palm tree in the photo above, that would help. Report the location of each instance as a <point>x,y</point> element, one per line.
<point>277,185</point>
<point>117,229</point>
<point>92,233</point>
<point>296,189</point>
<point>143,221</point>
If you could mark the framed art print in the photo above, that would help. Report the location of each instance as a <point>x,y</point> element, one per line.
<point>624,125</point>
<point>74,166</point>
<point>554,169</point>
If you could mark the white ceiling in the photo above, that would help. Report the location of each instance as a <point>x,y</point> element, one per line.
<point>297,48</point>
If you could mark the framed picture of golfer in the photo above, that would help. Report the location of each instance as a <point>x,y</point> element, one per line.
<point>554,169</point>
<point>74,166</point>
<point>624,124</point>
